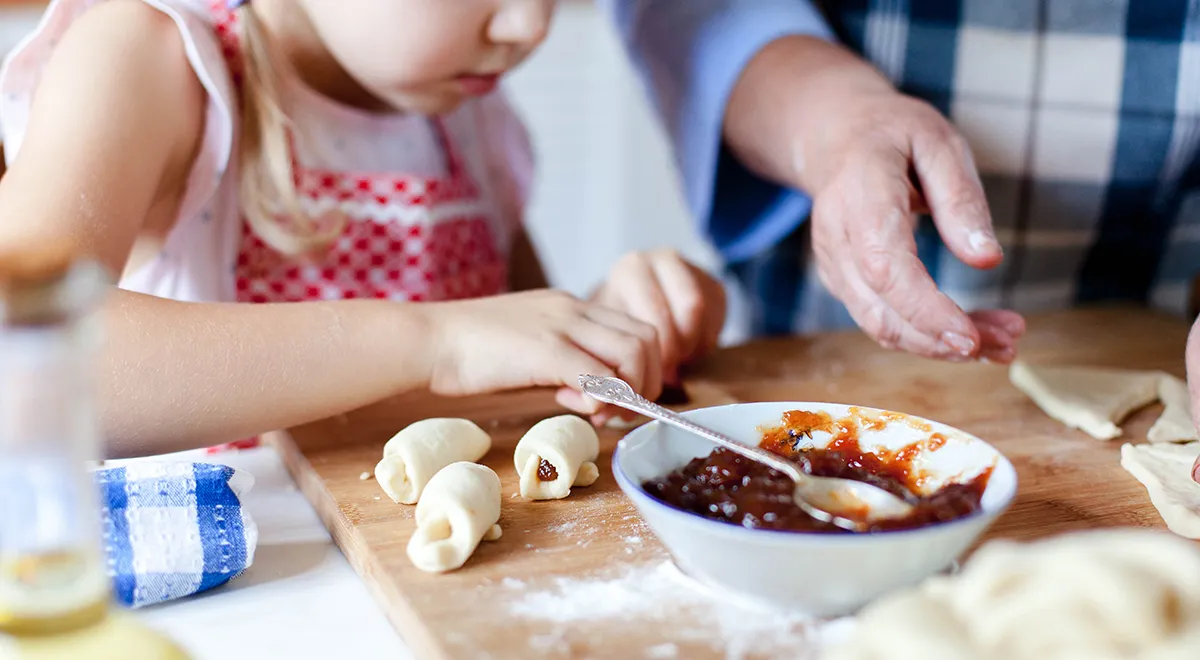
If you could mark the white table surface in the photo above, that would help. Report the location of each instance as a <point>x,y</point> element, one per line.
<point>299,599</point>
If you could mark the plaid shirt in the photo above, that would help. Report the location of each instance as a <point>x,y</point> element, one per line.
<point>1083,116</point>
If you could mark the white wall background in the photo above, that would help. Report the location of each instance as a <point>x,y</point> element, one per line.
<point>606,182</point>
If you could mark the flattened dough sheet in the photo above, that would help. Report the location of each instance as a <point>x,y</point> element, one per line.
<point>1166,472</point>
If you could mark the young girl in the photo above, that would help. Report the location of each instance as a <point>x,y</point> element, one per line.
<point>348,155</point>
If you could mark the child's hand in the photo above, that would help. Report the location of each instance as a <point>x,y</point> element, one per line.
<point>538,339</point>
<point>684,304</point>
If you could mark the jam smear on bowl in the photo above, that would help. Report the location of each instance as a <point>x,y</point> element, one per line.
<point>727,487</point>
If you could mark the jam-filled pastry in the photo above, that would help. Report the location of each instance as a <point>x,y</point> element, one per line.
<point>555,455</point>
<point>459,508</point>
<point>413,456</point>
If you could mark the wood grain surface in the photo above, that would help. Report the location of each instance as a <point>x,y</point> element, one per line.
<point>584,577</point>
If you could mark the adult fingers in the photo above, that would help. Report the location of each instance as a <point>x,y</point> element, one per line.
<point>879,229</point>
<point>1011,322</point>
<point>996,344</point>
<point>950,183</point>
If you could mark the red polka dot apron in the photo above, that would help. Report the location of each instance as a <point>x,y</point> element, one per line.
<point>407,238</point>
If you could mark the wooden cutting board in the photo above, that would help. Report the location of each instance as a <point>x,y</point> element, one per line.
<point>585,578</point>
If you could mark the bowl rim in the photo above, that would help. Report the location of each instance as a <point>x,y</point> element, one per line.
<point>641,498</point>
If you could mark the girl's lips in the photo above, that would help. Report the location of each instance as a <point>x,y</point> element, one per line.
<point>479,85</point>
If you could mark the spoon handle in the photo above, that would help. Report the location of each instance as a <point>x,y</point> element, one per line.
<point>619,393</point>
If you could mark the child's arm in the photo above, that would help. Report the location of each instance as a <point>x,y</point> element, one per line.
<point>113,131</point>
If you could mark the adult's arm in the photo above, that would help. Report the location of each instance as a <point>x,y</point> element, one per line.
<point>691,54</point>
<point>758,86</point>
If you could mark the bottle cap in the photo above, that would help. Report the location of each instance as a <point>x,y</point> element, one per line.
<point>47,282</point>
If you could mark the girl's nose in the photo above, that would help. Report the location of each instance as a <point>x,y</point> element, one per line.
<point>521,22</point>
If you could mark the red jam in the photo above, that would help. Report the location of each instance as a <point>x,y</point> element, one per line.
<point>725,486</point>
<point>546,471</point>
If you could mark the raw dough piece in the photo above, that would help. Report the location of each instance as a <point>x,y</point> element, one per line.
<point>1166,472</point>
<point>569,444</point>
<point>1175,424</point>
<point>414,455</point>
<point>459,508</point>
<point>1128,594</point>
<point>1091,399</point>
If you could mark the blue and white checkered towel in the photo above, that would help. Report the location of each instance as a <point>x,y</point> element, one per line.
<point>174,529</point>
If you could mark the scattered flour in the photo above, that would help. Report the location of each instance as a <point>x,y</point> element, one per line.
<point>563,528</point>
<point>633,540</point>
<point>512,583</point>
<point>662,652</point>
<point>660,592</point>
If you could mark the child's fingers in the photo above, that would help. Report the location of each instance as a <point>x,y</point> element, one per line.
<point>681,287</point>
<point>628,355</point>
<point>645,333</point>
<point>639,294</point>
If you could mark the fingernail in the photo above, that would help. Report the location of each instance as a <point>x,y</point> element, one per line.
<point>983,241</point>
<point>954,343</point>
<point>997,356</point>
<point>1196,470</point>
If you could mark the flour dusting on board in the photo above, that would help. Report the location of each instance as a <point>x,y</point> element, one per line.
<point>660,592</point>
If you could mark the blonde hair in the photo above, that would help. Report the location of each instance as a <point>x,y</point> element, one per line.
<point>268,195</point>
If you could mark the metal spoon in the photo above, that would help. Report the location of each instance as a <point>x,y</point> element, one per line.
<point>846,503</point>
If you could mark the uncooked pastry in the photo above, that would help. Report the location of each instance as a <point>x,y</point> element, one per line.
<point>414,455</point>
<point>569,444</point>
<point>1166,472</point>
<point>1175,424</point>
<point>459,508</point>
<point>1091,399</point>
<point>1128,594</point>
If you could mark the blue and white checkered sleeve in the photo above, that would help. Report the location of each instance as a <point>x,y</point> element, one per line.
<point>174,529</point>
<point>690,53</point>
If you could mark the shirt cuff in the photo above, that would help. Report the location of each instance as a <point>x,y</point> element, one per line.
<point>691,53</point>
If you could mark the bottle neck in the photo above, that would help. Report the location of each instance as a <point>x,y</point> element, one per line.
<point>52,575</point>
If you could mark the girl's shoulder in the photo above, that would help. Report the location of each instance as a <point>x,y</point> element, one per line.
<point>177,36</point>
<point>167,32</point>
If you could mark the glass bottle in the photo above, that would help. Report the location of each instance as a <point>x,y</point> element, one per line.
<point>55,594</point>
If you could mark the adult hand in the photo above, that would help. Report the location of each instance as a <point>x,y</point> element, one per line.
<point>815,116</point>
<point>864,216</point>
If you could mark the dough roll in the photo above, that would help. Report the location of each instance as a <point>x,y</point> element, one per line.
<point>556,454</point>
<point>460,508</point>
<point>414,455</point>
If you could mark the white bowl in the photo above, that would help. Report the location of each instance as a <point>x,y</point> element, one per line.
<point>819,574</point>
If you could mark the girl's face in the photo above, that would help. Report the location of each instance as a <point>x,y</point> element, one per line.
<point>428,55</point>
